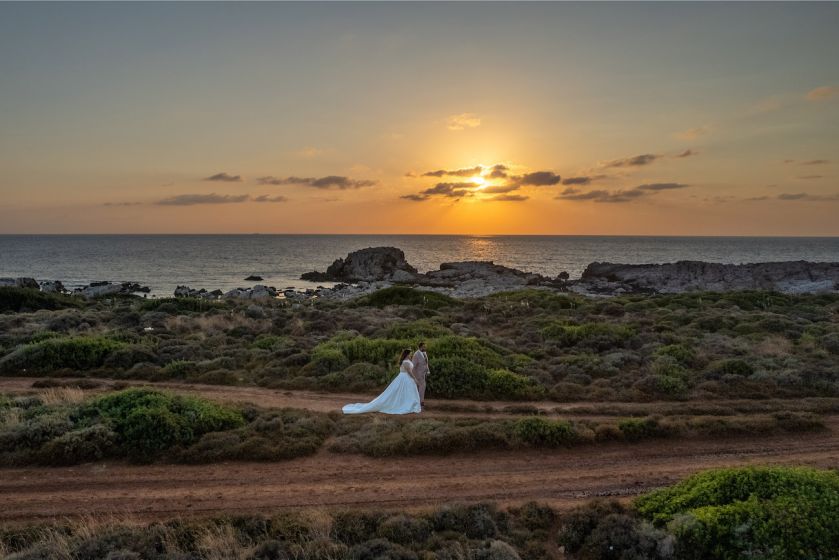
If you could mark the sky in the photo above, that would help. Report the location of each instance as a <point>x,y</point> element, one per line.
<point>462,118</point>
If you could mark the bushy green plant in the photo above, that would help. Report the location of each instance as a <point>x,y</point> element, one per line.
<point>767,512</point>
<point>22,299</point>
<point>180,305</point>
<point>147,422</point>
<point>400,295</point>
<point>78,353</point>
<point>594,335</point>
<point>731,366</point>
<point>542,432</point>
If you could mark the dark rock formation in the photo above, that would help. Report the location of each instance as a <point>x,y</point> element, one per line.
<point>23,282</point>
<point>367,265</point>
<point>253,278</point>
<point>686,276</point>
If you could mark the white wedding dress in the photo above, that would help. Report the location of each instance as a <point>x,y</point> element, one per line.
<point>400,397</point>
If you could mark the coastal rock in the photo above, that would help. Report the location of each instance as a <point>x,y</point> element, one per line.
<point>52,287</point>
<point>687,276</point>
<point>371,264</point>
<point>23,282</point>
<point>253,278</point>
<point>257,292</point>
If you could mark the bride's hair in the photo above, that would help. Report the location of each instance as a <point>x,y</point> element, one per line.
<point>405,353</point>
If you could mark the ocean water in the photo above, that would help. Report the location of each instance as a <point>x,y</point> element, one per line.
<point>223,261</point>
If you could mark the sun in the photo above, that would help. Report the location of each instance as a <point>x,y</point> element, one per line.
<point>478,180</point>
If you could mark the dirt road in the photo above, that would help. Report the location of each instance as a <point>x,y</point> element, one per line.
<point>327,480</point>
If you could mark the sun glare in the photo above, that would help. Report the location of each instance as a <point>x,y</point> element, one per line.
<point>478,180</point>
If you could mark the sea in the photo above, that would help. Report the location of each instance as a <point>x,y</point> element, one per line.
<point>162,262</point>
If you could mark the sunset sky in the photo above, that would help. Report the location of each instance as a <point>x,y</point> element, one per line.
<point>472,118</point>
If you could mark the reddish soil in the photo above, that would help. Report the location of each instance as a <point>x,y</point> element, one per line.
<point>563,478</point>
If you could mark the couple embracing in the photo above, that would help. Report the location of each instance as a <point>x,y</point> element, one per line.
<point>406,393</point>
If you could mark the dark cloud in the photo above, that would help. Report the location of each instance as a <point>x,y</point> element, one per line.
<point>415,197</point>
<point>538,179</point>
<point>266,198</point>
<point>660,186</point>
<point>810,176</point>
<point>329,182</point>
<point>621,195</point>
<point>576,180</point>
<point>467,172</point>
<point>498,171</point>
<point>816,162</point>
<point>510,198</point>
<point>224,177</point>
<point>452,190</point>
<point>687,153</point>
<point>808,197</point>
<point>123,203</point>
<point>192,199</point>
<point>635,161</point>
<point>498,189</point>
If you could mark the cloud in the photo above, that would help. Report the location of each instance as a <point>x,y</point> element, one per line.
<point>661,186</point>
<point>415,197</point>
<point>822,93</point>
<point>693,133</point>
<point>463,121</point>
<point>803,196</point>
<point>622,195</point>
<point>449,190</point>
<point>767,105</point>
<point>635,161</point>
<point>497,189</point>
<point>499,171</point>
<point>810,176</point>
<point>453,190</point>
<point>538,179</point>
<point>467,172</point>
<point>224,177</point>
<point>687,153</point>
<point>329,182</point>
<point>193,199</point>
<point>509,198</point>
<point>266,198</point>
<point>815,162</point>
<point>583,180</point>
<point>123,203</point>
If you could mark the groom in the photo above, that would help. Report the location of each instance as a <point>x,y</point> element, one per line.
<point>421,370</point>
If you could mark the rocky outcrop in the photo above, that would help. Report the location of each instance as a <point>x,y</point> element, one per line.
<point>102,289</point>
<point>367,265</point>
<point>186,291</point>
<point>686,276</point>
<point>257,292</point>
<point>477,278</point>
<point>23,282</point>
<point>253,278</point>
<point>52,287</point>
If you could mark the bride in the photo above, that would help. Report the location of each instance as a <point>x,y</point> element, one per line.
<point>400,397</point>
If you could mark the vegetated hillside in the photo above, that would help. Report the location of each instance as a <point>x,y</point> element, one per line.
<point>519,345</point>
<point>755,512</point>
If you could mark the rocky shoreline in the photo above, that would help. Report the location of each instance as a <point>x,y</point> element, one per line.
<point>367,270</point>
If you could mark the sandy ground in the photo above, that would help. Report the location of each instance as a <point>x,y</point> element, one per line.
<point>563,477</point>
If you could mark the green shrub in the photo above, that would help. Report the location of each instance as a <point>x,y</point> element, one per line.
<point>147,422</point>
<point>179,369</point>
<point>22,299</point>
<point>601,336</point>
<point>541,432</point>
<point>400,295</point>
<point>721,368</point>
<point>684,355</point>
<point>504,384</point>
<point>180,305</point>
<point>767,512</point>
<point>635,429</point>
<point>78,353</point>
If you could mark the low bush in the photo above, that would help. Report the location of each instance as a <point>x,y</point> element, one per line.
<point>17,300</point>
<point>78,353</point>
<point>147,422</point>
<point>541,432</point>
<point>766,512</point>
<point>598,336</point>
<point>400,295</point>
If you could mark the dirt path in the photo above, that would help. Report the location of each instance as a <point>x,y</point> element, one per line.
<point>563,478</point>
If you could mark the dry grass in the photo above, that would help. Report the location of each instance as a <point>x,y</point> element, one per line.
<point>61,395</point>
<point>9,418</point>
<point>774,346</point>
<point>219,542</point>
<point>215,324</point>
